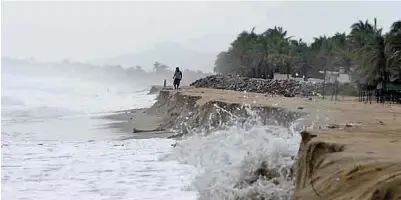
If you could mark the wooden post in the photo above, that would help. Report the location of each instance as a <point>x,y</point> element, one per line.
<point>370,96</point>
<point>363,96</point>
<point>164,84</point>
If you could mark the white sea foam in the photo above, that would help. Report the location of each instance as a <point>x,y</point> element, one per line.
<point>54,148</point>
<point>51,148</point>
<point>228,157</point>
<point>124,169</point>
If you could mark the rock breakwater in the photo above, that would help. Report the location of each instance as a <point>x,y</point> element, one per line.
<point>288,88</point>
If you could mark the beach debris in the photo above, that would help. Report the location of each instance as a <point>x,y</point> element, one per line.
<point>141,130</point>
<point>289,95</point>
<point>306,135</point>
<point>300,108</point>
<point>267,173</point>
<point>333,126</point>
<point>348,125</point>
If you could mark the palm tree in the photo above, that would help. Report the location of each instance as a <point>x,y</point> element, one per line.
<point>366,52</point>
<point>344,58</point>
<point>393,49</point>
<point>278,52</point>
<point>368,42</point>
<point>327,55</point>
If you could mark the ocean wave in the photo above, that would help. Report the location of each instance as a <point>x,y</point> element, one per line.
<point>230,160</point>
<point>40,96</point>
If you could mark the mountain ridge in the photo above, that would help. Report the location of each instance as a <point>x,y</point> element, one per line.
<point>169,53</point>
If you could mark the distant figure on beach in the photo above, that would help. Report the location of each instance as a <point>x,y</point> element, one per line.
<point>177,78</point>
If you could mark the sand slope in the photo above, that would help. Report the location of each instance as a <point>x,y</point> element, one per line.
<point>358,158</point>
<point>361,159</point>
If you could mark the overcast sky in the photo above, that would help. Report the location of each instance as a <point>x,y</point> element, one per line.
<point>85,31</point>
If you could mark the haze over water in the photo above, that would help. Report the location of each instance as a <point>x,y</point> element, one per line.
<point>53,148</point>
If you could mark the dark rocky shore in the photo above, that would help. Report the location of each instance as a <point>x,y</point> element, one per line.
<point>287,88</point>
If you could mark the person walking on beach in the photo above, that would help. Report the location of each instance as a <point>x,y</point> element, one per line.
<point>177,78</point>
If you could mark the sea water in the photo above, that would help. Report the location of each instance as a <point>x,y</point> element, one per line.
<point>54,146</point>
<point>229,156</point>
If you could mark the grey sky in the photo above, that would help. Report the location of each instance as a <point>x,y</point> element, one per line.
<point>85,31</point>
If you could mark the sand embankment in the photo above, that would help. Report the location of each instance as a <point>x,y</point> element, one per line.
<point>196,109</point>
<point>359,157</point>
<point>361,161</point>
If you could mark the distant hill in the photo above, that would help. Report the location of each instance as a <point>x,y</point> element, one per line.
<point>171,54</point>
<point>210,43</point>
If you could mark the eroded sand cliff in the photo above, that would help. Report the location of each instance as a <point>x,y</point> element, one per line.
<point>203,110</point>
<point>358,157</point>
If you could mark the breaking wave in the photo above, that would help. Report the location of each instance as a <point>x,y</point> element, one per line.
<point>247,160</point>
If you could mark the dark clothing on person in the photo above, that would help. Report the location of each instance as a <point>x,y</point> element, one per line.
<point>177,83</point>
<point>177,78</point>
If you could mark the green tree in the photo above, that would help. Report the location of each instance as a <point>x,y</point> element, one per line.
<point>366,53</point>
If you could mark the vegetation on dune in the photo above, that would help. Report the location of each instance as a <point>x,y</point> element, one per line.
<point>366,53</point>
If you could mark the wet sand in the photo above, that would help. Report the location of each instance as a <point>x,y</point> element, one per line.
<point>125,121</point>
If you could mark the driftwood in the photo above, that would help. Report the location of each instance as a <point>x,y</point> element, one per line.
<point>142,131</point>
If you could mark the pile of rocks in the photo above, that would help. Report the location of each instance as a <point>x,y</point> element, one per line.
<point>289,88</point>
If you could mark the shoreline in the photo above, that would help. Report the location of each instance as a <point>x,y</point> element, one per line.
<point>345,142</point>
<point>126,120</point>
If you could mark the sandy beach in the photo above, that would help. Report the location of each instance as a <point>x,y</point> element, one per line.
<point>353,154</point>
<point>125,121</point>
<point>347,112</point>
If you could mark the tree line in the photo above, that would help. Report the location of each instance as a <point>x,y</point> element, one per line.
<point>366,53</point>
<point>156,75</point>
